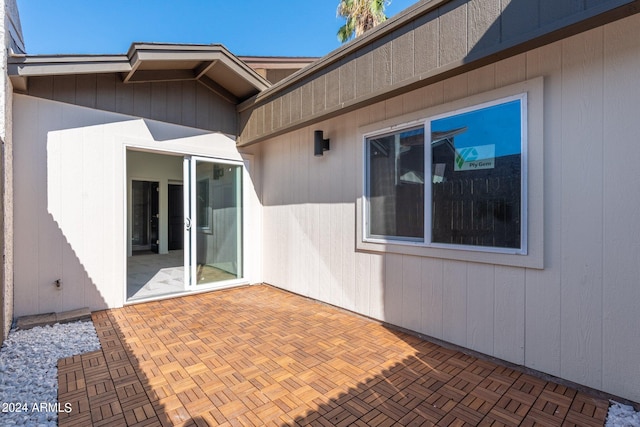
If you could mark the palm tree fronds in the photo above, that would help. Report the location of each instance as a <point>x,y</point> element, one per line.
<point>360,16</point>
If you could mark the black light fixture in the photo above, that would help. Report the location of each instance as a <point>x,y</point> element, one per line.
<point>320,145</point>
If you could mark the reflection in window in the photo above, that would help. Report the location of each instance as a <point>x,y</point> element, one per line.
<point>202,205</point>
<point>476,177</point>
<point>396,184</point>
<point>475,192</point>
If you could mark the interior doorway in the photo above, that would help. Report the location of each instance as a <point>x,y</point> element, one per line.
<point>155,261</point>
<point>175,213</point>
<point>145,211</point>
<point>185,216</point>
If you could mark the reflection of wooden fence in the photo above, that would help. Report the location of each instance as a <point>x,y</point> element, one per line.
<point>481,211</point>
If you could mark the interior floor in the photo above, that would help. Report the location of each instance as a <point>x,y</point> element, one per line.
<point>209,274</point>
<point>151,275</point>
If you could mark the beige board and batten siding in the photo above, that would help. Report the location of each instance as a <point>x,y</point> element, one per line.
<point>70,186</point>
<point>577,317</point>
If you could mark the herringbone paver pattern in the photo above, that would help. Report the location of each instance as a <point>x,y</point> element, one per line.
<point>258,356</point>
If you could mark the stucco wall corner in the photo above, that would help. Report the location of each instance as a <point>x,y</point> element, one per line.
<point>11,40</point>
<point>7,210</point>
<point>6,226</point>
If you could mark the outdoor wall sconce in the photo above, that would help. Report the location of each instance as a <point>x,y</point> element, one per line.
<point>218,172</point>
<point>320,145</point>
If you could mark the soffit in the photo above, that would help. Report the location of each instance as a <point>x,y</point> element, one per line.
<point>279,62</point>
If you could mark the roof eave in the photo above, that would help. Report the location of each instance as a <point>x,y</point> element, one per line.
<point>150,58</point>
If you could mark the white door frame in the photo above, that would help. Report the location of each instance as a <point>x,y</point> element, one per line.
<point>130,145</point>
<point>190,261</point>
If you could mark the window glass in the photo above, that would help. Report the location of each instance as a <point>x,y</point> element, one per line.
<point>476,184</point>
<point>395,184</point>
<point>474,193</point>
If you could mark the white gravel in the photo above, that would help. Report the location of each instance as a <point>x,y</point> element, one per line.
<point>29,373</point>
<point>622,416</point>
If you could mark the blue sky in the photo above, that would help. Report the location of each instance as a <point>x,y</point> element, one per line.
<point>499,124</point>
<point>246,27</point>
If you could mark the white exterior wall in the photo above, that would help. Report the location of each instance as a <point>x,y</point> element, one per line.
<point>70,207</point>
<point>578,317</point>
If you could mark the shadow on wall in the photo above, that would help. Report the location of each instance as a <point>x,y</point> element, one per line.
<point>493,29</point>
<point>36,289</point>
<point>60,205</point>
<point>69,201</point>
<point>161,131</point>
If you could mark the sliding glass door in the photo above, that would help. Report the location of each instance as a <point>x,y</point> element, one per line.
<point>213,222</point>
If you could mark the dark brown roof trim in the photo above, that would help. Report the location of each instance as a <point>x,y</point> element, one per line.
<point>589,19</point>
<point>410,14</point>
<point>148,62</point>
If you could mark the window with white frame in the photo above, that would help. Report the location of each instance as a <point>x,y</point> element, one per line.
<point>455,180</point>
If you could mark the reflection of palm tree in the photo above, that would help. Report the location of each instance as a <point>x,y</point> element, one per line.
<point>361,16</point>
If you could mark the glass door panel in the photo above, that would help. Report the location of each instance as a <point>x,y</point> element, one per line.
<point>216,222</point>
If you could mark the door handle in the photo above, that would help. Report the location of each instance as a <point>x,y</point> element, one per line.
<point>187,223</point>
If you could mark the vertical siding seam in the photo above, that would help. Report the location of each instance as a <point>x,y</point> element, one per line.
<point>524,318</point>
<point>441,326</point>
<point>369,261</point>
<point>37,247</point>
<point>88,280</point>
<point>413,48</point>
<point>468,342</point>
<point>308,202</point>
<point>392,67</point>
<point>382,284</point>
<point>403,317</point>
<point>421,296</point>
<point>438,40</point>
<point>500,22</point>
<point>466,304</point>
<point>561,207</point>
<point>467,49</point>
<point>493,344</point>
<point>602,213</point>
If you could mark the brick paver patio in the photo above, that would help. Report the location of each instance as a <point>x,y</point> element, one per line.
<point>258,356</point>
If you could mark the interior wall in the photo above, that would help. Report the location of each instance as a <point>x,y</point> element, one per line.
<point>576,318</point>
<point>161,168</point>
